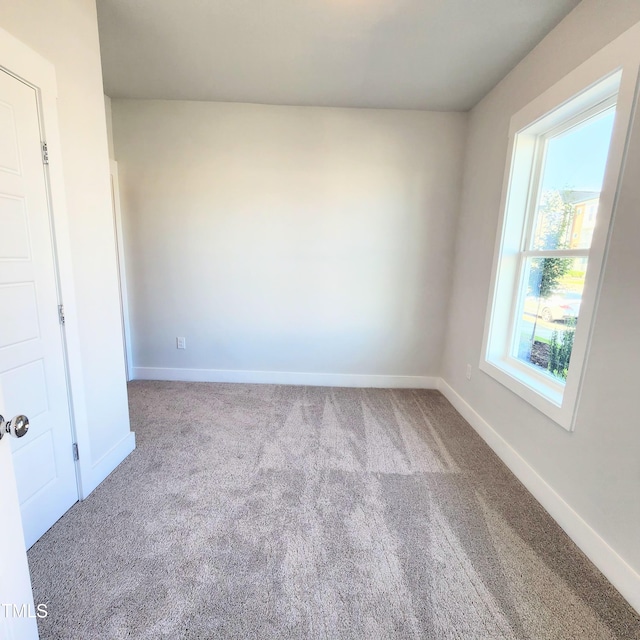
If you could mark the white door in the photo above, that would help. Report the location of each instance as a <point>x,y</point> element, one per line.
<point>32,369</point>
<point>17,611</point>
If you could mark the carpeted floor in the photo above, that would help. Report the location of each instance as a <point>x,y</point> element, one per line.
<point>271,512</point>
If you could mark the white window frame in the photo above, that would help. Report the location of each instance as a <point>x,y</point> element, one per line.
<point>612,71</point>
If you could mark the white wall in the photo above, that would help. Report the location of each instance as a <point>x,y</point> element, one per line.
<point>595,469</point>
<point>288,238</point>
<point>66,34</point>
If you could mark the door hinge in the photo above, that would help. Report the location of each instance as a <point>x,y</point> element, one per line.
<point>76,455</point>
<point>61,313</point>
<point>45,153</point>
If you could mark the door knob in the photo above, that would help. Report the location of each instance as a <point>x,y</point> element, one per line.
<point>16,427</point>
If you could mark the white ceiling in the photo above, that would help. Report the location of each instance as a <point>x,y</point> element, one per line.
<point>404,54</point>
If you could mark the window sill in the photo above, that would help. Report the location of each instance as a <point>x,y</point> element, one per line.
<point>538,389</point>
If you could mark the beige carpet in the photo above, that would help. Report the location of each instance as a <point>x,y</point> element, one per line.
<point>270,512</point>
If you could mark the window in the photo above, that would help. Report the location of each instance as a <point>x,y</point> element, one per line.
<point>554,258</point>
<point>565,155</point>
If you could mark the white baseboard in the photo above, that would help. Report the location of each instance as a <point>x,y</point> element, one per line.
<point>92,476</point>
<point>622,576</point>
<point>287,377</point>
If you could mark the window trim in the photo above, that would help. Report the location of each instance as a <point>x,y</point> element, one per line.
<point>584,89</point>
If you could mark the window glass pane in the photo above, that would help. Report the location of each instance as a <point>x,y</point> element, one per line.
<point>574,165</point>
<point>550,307</point>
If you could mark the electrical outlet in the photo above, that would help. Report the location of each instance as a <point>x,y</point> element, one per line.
<point>181,343</point>
<point>468,372</point>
